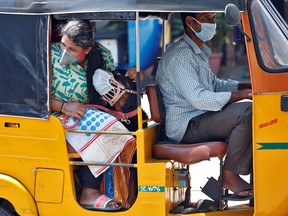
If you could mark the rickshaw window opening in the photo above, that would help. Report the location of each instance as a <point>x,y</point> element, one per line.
<point>12,125</point>
<point>270,38</point>
<point>280,22</point>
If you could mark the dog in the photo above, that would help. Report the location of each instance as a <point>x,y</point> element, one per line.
<point>119,92</point>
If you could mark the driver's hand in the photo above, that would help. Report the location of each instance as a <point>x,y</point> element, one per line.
<point>131,73</point>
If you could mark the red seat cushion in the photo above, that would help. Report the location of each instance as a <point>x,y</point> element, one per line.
<point>190,153</point>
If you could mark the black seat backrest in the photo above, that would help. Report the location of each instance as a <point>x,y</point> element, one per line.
<point>157,107</point>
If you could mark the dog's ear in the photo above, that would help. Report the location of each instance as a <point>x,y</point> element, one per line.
<point>124,80</point>
<point>119,71</point>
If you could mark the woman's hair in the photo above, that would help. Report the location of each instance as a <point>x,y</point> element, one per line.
<point>79,32</point>
<point>95,61</point>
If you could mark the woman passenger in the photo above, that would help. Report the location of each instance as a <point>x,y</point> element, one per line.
<point>74,61</point>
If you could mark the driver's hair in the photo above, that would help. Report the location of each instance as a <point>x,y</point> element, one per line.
<point>183,18</point>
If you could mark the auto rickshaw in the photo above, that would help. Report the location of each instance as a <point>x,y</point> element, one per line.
<point>37,169</point>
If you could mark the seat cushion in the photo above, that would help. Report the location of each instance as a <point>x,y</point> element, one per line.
<point>189,153</point>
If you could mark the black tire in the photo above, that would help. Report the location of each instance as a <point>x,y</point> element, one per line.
<point>5,212</point>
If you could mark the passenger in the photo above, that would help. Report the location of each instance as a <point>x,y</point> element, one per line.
<point>74,61</point>
<point>200,107</point>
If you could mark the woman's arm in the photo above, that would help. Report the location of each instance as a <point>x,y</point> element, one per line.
<point>73,109</point>
<point>57,105</point>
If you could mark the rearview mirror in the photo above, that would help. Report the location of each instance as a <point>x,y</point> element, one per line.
<point>232,17</point>
<point>232,14</point>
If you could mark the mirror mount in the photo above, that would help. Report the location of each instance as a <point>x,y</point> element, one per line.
<point>232,16</point>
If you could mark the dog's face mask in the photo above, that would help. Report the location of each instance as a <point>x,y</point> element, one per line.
<point>108,87</point>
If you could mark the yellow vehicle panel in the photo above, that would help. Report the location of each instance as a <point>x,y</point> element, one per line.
<point>270,155</point>
<point>37,174</point>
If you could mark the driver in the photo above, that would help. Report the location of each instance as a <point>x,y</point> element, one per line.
<point>201,107</point>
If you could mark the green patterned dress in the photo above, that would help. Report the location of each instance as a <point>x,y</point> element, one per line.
<point>69,81</point>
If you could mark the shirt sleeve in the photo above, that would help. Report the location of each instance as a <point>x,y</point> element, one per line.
<point>190,82</point>
<point>225,85</point>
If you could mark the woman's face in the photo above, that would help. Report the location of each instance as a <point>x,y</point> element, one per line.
<point>72,48</point>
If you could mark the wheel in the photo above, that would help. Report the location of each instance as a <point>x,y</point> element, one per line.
<point>5,212</point>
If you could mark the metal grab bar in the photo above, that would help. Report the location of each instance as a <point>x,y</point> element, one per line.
<point>101,132</point>
<point>91,163</point>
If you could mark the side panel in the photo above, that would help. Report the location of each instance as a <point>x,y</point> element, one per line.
<point>37,145</point>
<point>270,155</point>
<point>49,185</point>
<point>269,77</point>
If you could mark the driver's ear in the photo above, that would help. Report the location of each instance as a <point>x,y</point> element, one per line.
<point>189,21</point>
<point>196,25</point>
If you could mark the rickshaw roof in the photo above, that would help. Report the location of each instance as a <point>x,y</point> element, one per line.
<point>82,6</point>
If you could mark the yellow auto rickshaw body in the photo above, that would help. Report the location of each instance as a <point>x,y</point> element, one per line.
<point>37,170</point>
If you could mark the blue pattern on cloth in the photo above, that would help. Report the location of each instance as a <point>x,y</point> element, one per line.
<point>92,120</point>
<point>101,148</point>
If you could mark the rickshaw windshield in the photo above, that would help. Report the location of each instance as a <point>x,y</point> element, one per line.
<point>271,37</point>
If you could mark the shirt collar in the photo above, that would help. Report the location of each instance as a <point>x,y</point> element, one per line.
<point>205,49</point>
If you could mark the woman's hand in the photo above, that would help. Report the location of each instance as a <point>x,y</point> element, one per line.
<point>74,109</point>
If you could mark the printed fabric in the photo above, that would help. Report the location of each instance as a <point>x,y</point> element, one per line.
<point>102,148</point>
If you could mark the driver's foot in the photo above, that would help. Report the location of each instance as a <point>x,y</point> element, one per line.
<point>234,182</point>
